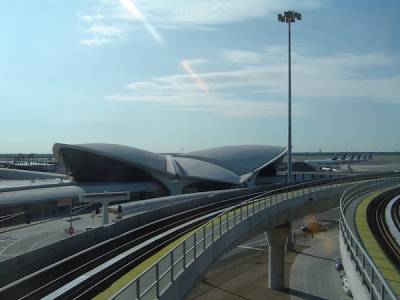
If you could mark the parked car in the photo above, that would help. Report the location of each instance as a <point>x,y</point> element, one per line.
<point>312,227</point>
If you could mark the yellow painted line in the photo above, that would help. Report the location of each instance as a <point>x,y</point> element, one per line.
<point>372,247</point>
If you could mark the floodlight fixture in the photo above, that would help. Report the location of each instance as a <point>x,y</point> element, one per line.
<point>289,16</point>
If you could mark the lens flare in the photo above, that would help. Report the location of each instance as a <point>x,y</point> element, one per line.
<point>185,64</point>
<point>131,7</point>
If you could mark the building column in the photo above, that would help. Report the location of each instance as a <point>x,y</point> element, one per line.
<point>276,244</point>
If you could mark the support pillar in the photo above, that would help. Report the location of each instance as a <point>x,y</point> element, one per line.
<point>290,240</point>
<point>276,241</point>
<point>105,213</point>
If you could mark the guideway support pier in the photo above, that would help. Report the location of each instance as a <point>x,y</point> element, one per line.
<point>276,244</point>
<point>290,239</point>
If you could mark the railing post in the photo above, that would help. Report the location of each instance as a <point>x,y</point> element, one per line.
<point>371,288</point>
<point>195,245</point>
<point>157,280</point>
<point>172,265</point>
<point>184,254</point>
<point>138,288</point>
<point>234,217</point>
<point>220,226</point>
<point>362,260</point>
<point>204,235</point>
<point>212,230</point>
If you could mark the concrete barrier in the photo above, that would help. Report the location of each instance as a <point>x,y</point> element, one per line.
<point>357,288</point>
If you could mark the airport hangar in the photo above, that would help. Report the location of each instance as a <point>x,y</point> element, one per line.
<point>98,168</point>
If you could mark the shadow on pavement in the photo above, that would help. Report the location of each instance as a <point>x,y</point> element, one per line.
<point>328,221</point>
<point>301,294</point>
<point>225,290</point>
<point>316,256</point>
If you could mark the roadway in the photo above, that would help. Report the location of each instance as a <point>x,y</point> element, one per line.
<point>313,275</point>
<point>376,166</point>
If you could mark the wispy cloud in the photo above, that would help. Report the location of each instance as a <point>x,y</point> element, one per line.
<point>257,90</point>
<point>242,57</point>
<point>96,41</point>
<point>215,104</point>
<point>176,14</point>
<point>103,30</point>
<point>100,34</point>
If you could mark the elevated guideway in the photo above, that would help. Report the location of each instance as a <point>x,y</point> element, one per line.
<point>165,258</point>
<point>172,273</point>
<point>377,219</point>
<point>370,254</point>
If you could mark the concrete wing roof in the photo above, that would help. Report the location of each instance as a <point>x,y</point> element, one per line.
<point>129,155</point>
<point>240,159</point>
<point>232,164</point>
<point>189,167</point>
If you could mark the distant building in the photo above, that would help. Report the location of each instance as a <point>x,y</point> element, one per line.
<point>210,169</point>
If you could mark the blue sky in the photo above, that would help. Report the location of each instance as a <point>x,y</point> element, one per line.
<point>167,74</point>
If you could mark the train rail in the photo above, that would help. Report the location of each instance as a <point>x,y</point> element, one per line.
<point>376,218</point>
<point>395,212</point>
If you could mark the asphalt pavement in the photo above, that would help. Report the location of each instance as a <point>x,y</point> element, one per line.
<point>313,275</point>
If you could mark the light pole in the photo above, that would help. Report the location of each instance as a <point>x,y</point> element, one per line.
<point>289,17</point>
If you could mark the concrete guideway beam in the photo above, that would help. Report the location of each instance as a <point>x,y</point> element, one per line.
<point>276,244</point>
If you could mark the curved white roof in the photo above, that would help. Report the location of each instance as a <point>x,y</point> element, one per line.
<point>231,164</point>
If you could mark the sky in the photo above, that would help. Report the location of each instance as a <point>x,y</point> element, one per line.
<point>171,75</point>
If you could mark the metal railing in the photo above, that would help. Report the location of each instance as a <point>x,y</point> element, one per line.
<point>369,274</point>
<point>156,279</point>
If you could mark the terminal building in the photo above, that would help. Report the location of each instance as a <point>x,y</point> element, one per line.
<point>172,174</point>
<point>99,168</point>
